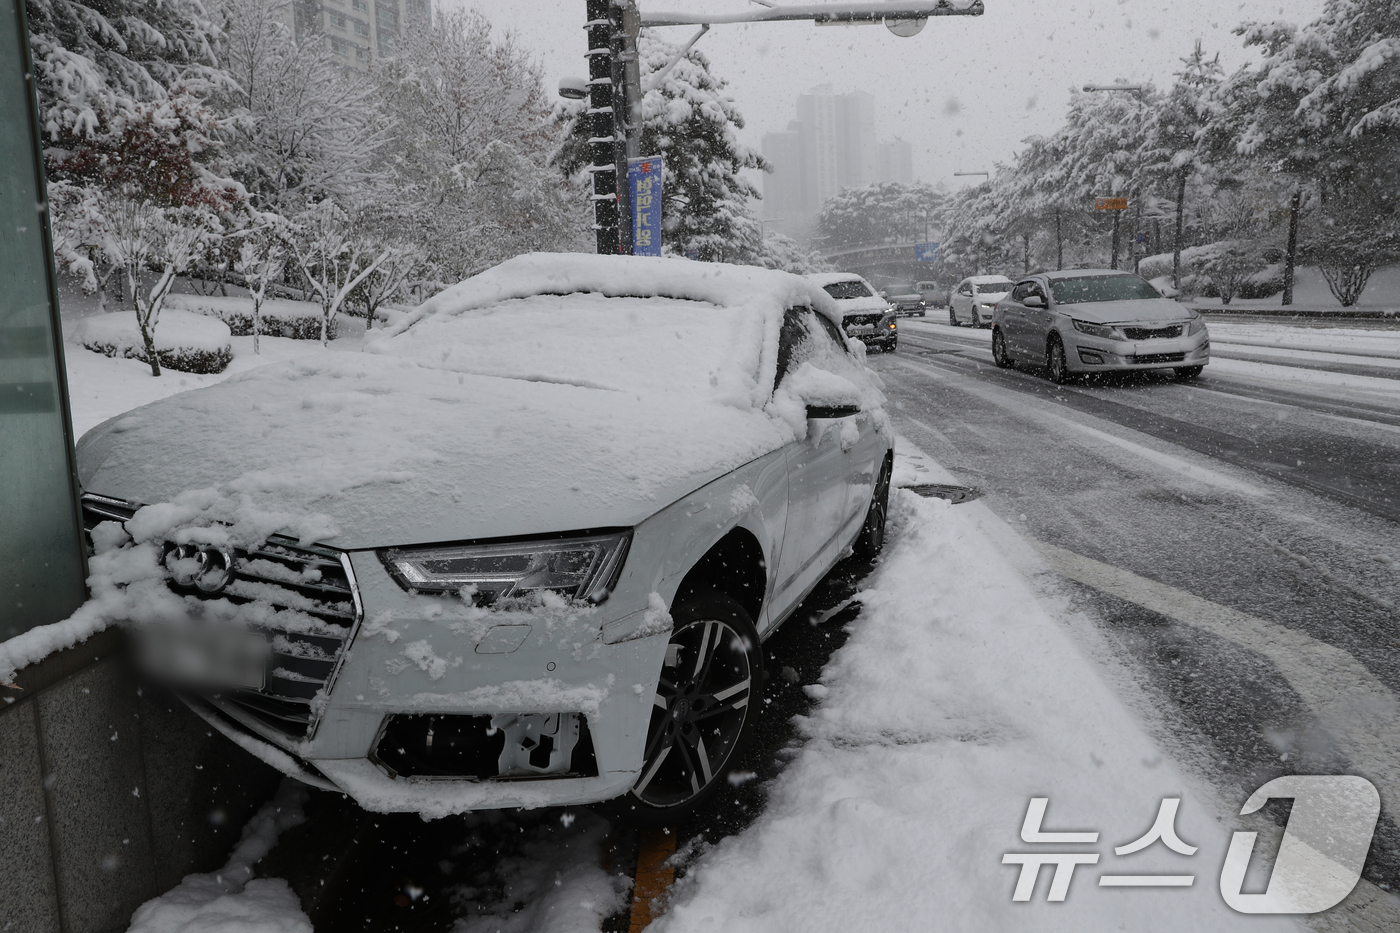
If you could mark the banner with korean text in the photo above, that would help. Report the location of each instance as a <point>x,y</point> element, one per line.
<point>644,181</point>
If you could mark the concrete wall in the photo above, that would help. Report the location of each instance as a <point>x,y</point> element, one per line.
<point>111,791</point>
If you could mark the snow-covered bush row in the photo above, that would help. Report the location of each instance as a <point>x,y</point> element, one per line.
<point>299,320</point>
<point>185,341</point>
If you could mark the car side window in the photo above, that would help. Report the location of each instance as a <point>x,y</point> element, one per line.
<point>809,337</point>
<point>1021,291</point>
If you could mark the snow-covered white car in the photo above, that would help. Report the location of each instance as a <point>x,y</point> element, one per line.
<point>523,551</point>
<point>975,297</point>
<point>865,315</point>
<point>1097,320</point>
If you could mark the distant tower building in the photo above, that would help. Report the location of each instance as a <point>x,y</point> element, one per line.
<point>356,31</point>
<point>831,146</point>
<point>896,161</point>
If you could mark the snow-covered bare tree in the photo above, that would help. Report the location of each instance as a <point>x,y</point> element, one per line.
<point>473,134</point>
<point>262,260</point>
<point>332,257</point>
<point>144,238</point>
<point>303,127</point>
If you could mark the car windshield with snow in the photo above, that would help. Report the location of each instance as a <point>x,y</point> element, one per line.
<point>524,549</point>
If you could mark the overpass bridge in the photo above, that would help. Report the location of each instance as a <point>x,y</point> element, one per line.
<point>881,261</point>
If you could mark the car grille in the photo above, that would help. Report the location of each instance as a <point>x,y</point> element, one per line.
<point>309,579</point>
<point>861,320</point>
<point>1157,358</point>
<point>1152,333</point>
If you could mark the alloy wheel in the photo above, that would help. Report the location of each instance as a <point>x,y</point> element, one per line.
<point>999,354</point>
<point>1055,362</point>
<point>698,714</point>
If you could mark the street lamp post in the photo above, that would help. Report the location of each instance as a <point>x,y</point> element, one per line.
<point>614,88</point>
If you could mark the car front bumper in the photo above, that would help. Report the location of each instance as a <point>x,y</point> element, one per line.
<point>417,656</point>
<point>1084,353</point>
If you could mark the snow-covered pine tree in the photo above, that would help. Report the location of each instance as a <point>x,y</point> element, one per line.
<point>96,60</point>
<point>688,119</point>
<point>1323,106</point>
<point>1178,147</point>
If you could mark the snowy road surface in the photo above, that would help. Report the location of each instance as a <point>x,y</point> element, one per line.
<point>1165,591</point>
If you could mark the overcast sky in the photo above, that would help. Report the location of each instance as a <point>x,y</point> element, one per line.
<point>964,92</point>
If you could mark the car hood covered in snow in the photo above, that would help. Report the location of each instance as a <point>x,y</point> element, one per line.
<point>551,393</point>
<point>386,452</point>
<point>1155,310</point>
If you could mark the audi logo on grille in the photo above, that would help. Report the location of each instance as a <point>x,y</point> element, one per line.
<point>206,567</point>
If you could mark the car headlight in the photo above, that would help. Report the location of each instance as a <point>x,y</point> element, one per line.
<point>1098,330</point>
<point>1196,326</point>
<point>576,568</point>
<point>888,320</point>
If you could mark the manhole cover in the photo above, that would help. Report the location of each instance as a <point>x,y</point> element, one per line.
<point>953,494</point>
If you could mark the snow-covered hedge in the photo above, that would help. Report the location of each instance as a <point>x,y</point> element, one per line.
<point>299,320</point>
<point>184,341</point>
<point>1220,269</point>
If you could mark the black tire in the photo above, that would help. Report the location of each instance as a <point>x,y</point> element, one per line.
<point>711,692</point>
<point>999,354</point>
<point>953,317</point>
<point>1187,373</point>
<point>872,534</point>
<point>1056,366</point>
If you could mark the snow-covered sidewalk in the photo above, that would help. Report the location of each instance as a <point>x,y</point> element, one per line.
<point>960,695</point>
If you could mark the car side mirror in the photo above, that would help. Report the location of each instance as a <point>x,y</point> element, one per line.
<point>832,411</point>
<point>1033,301</point>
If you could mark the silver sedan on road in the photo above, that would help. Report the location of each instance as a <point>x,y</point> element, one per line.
<point>1095,320</point>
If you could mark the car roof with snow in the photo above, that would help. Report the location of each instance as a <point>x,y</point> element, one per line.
<point>1082,273</point>
<point>989,280</point>
<point>611,322</point>
<point>831,278</point>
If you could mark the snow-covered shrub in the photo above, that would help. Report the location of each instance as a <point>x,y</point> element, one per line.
<point>188,342</point>
<point>299,320</point>
<point>1263,284</point>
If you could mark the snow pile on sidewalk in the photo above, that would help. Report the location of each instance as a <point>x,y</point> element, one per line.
<point>956,700</point>
<point>231,900</point>
<point>183,340</point>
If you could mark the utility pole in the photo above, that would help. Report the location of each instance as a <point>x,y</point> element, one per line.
<point>614,87</point>
<point>602,126</point>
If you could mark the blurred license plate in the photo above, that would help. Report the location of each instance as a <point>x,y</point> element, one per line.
<point>205,656</point>
<point>864,330</point>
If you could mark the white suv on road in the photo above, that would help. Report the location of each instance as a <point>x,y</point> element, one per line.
<point>523,551</point>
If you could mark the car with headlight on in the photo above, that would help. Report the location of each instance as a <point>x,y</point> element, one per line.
<point>865,315</point>
<point>522,551</point>
<point>906,299</point>
<point>975,298</point>
<point>1097,320</point>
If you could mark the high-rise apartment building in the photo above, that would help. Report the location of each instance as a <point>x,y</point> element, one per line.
<point>356,31</point>
<point>831,145</point>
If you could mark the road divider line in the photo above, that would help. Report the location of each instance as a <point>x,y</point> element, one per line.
<point>1360,713</point>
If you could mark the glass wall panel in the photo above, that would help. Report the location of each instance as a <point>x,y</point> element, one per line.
<point>41,551</point>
